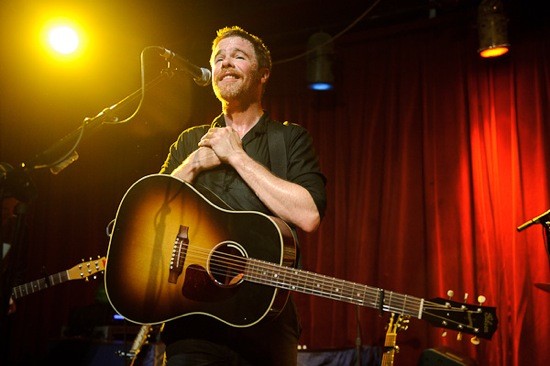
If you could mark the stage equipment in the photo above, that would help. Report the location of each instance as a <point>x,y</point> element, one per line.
<point>544,220</point>
<point>319,62</point>
<point>492,29</point>
<point>201,75</point>
<point>444,356</point>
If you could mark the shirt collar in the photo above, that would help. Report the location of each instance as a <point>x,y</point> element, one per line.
<point>258,129</point>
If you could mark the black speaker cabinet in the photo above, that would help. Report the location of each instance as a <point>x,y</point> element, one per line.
<point>443,356</point>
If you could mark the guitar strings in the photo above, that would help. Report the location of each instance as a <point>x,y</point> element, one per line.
<point>263,272</point>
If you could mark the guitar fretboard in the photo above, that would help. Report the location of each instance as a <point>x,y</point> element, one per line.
<point>41,284</point>
<point>267,273</point>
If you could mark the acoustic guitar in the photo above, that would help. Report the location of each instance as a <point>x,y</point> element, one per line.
<point>174,253</point>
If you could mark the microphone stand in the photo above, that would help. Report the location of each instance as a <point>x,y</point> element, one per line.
<point>358,341</point>
<point>66,146</point>
<point>16,183</point>
<point>540,219</point>
<point>544,220</point>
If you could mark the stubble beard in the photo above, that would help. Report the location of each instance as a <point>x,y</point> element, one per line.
<point>236,91</point>
<point>229,92</point>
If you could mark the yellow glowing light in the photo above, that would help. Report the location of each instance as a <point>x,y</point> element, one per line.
<point>63,39</point>
<point>493,52</point>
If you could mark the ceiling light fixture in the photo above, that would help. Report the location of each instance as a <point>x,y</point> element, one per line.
<point>492,29</point>
<point>319,62</point>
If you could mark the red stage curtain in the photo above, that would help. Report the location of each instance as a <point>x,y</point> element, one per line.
<point>434,157</point>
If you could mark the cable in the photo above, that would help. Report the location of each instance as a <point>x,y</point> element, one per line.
<point>338,35</point>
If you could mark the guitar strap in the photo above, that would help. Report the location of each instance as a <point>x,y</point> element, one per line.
<point>277,148</point>
<point>278,160</point>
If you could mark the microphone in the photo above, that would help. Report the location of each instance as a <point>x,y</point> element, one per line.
<point>533,221</point>
<point>201,75</point>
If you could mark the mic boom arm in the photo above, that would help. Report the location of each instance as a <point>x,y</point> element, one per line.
<point>535,220</point>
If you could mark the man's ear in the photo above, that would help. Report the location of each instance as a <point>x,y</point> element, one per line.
<point>265,75</point>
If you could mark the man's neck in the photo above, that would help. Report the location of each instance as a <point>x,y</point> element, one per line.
<point>242,121</point>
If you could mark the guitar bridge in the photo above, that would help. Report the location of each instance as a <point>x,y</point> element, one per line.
<point>178,254</point>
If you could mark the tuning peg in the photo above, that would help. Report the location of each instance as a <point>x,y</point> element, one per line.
<point>444,334</point>
<point>481,299</point>
<point>466,297</point>
<point>459,336</point>
<point>475,341</point>
<point>450,294</point>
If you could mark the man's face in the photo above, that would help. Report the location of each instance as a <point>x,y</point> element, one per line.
<point>235,70</point>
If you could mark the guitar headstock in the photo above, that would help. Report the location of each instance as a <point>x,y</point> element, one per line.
<point>87,269</point>
<point>398,322</point>
<point>480,321</point>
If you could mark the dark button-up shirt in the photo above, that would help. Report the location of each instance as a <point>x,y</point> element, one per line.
<point>225,182</point>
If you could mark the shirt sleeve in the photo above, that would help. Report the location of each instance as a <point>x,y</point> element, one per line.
<point>303,165</point>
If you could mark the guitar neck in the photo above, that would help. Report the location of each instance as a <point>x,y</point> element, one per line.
<point>388,358</point>
<point>296,280</point>
<point>41,284</point>
<point>80,271</point>
<point>389,349</point>
<point>139,341</point>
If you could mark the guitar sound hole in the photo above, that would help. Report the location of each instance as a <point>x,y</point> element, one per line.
<point>227,263</point>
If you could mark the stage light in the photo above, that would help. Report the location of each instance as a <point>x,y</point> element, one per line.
<point>63,39</point>
<point>492,29</point>
<point>319,62</point>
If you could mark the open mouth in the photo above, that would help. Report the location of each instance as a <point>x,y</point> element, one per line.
<point>229,76</point>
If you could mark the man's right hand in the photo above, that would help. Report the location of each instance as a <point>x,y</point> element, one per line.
<point>204,158</point>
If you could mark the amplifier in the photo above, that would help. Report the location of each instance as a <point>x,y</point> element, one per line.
<point>444,356</point>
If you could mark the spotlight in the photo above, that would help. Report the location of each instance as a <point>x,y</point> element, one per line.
<point>492,29</point>
<point>319,62</point>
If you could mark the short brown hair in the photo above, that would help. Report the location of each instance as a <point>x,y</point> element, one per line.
<point>262,52</point>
